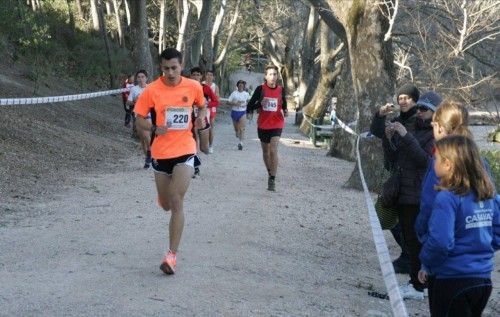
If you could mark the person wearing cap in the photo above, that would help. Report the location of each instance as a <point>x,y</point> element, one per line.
<point>238,101</point>
<point>406,96</point>
<point>407,141</point>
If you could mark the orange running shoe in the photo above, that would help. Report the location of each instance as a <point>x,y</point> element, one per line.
<point>169,262</point>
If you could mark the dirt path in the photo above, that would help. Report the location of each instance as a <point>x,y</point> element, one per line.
<point>305,250</point>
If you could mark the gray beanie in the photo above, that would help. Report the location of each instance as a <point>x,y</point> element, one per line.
<point>430,100</point>
<point>409,90</point>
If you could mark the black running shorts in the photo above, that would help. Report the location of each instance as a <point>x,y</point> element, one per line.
<point>266,135</point>
<point>166,166</point>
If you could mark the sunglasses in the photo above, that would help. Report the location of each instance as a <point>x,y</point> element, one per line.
<point>422,108</point>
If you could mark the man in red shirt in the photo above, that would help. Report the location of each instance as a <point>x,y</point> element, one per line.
<point>170,100</point>
<point>269,99</point>
<point>212,101</point>
<point>212,107</point>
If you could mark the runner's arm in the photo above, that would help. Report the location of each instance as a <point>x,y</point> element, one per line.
<point>201,103</point>
<point>284,105</point>
<point>217,91</point>
<point>202,113</point>
<point>232,101</point>
<point>130,99</point>
<point>142,123</point>
<point>214,100</point>
<point>254,102</point>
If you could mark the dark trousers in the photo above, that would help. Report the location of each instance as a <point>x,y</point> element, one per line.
<point>464,297</point>
<point>407,216</point>
<point>128,113</point>
<point>398,237</point>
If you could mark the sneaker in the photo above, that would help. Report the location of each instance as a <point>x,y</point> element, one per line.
<point>409,292</point>
<point>196,172</point>
<point>168,264</point>
<point>271,184</point>
<point>147,162</point>
<point>210,150</point>
<point>401,265</point>
<point>240,146</point>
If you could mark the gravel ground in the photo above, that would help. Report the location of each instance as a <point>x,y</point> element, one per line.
<point>81,235</point>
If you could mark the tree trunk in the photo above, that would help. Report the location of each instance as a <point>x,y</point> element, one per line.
<point>108,7</point>
<point>119,26</point>
<point>308,56</point>
<point>330,70</point>
<point>373,77</point>
<point>202,33</point>
<point>139,31</point>
<point>106,42</point>
<point>232,28</point>
<point>95,15</point>
<point>183,25</point>
<point>288,65</point>
<point>161,37</point>
<point>207,57</point>
<point>215,33</point>
<point>363,27</point>
<point>71,22</point>
<point>79,9</point>
<point>343,143</point>
<point>127,12</point>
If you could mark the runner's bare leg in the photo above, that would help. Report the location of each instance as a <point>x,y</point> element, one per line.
<point>171,191</point>
<point>273,155</point>
<point>266,154</point>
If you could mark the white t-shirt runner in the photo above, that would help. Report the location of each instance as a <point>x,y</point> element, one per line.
<point>134,93</point>
<point>242,97</point>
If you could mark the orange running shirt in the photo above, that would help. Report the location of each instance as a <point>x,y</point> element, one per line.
<point>174,107</point>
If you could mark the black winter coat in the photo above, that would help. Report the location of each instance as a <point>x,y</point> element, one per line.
<point>410,154</point>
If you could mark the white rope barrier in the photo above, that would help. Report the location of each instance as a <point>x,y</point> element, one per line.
<point>42,100</point>
<point>388,274</point>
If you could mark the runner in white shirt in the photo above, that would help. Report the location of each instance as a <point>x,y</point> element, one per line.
<point>142,78</point>
<point>238,102</point>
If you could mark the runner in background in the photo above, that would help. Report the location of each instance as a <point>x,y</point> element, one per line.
<point>212,107</point>
<point>238,102</point>
<point>201,135</point>
<point>127,83</point>
<point>144,135</point>
<point>250,116</point>
<point>170,100</point>
<point>269,99</point>
<point>212,100</point>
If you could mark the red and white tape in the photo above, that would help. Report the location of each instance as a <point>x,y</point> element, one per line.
<point>42,100</point>
<point>388,274</point>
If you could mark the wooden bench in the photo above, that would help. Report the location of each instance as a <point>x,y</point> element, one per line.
<point>323,133</point>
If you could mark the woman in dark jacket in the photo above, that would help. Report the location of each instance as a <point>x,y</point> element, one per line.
<point>407,141</point>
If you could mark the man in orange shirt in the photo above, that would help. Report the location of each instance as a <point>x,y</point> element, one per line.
<point>170,100</point>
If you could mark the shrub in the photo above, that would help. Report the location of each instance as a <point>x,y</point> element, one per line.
<point>493,158</point>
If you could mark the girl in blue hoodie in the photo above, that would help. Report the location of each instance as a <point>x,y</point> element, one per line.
<point>451,118</point>
<point>463,231</point>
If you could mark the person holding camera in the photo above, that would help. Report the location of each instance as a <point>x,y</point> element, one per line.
<point>407,141</point>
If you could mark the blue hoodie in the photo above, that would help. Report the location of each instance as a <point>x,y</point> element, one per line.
<point>427,198</point>
<point>463,236</point>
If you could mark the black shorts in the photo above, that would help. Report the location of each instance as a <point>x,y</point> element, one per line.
<point>266,135</point>
<point>166,166</point>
